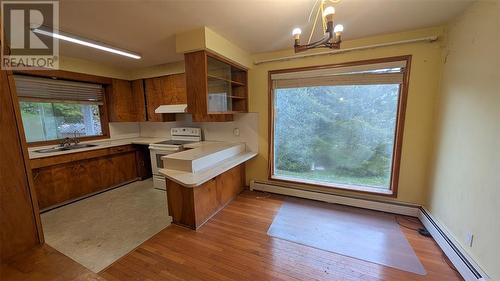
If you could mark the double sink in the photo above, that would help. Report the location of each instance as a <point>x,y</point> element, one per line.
<point>65,148</point>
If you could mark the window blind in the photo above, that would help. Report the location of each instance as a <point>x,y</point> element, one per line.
<point>369,74</point>
<point>51,90</point>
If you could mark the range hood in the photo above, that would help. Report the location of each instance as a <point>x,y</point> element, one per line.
<point>172,108</point>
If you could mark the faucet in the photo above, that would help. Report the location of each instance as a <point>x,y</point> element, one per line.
<point>74,139</point>
<point>66,142</point>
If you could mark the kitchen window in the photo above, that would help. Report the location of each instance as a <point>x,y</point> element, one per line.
<point>339,126</point>
<point>52,110</point>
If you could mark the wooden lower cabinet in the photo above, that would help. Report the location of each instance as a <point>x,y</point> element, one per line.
<point>192,207</point>
<point>63,182</point>
<point>143,159</point>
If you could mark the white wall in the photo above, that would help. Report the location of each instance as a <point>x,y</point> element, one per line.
<point>247,123</point>
<point>123,130</point>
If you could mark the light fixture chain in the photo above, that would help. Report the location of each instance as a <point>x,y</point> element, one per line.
<point>314,26</point>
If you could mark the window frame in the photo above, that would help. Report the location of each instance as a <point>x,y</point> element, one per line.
<point>398,135</point>
<point>77,77</point>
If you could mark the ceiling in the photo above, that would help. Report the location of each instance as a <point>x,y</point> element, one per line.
<point>148,27</point>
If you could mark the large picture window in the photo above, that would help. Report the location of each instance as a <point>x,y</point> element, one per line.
<point>55,109</point>
<point>339,126</point>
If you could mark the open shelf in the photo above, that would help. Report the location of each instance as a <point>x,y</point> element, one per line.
<point>225,79</point>
<point>219,85</point>
<point>225,112</point>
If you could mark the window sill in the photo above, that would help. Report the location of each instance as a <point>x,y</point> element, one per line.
<point>323,185</point>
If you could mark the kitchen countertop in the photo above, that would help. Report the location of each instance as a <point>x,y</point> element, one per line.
<point>199,150</point>
<point>100,145</point>
<point>194,151</point>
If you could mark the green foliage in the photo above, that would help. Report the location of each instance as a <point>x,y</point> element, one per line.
<point>69,112</point>
<point>29,108</point>
<point>346,132</point>
<point>378,164</point>
<point>72,112</point>
<point>49,121</point>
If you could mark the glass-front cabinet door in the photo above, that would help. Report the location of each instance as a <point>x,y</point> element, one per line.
<point>226,87</point>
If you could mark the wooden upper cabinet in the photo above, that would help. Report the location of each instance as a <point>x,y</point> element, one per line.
<point>125,101</point>
<point>136,101</point>
<point>137,87</point>
<point>216,87</point>
<point>170,89</point>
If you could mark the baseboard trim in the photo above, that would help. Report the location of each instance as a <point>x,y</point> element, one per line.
<point>465,265</point>
<point>389,207</point>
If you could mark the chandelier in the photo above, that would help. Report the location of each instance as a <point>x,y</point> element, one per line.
<point>332,36</point>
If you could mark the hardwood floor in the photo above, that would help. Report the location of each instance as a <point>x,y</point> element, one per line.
<point>43,264</point>
<point>234,245</point>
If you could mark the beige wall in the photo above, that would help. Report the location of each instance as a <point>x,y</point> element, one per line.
<point>157,70</point>
<point>90,67</point>
<point>423,88</point>
<point>205,38</point>
<point>464,187</point>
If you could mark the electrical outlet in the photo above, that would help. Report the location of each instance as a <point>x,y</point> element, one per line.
<point>236,132</point>
<point>469,239</point>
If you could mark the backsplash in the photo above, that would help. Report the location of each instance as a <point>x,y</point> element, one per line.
<point>247,123</point>
<point>123,130</point>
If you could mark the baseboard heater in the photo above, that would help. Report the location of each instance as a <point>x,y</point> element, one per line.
<point>467,269</point>
<point>372,204</point>
<point>465,266</point>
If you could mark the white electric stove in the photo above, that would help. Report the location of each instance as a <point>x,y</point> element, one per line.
<point>179,137</point>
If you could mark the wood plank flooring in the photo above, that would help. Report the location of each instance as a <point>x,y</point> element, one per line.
<point>234,245</point>
<point>45,264</point>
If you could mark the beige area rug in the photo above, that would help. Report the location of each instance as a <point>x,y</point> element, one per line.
<point>100,229</point>
<point>362,234</point>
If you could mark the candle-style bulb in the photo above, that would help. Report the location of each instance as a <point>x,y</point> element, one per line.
<point>338,28</point>
<point>328,13</point>
<point>296,33</point>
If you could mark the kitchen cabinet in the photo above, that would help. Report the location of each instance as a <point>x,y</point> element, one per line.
<point>216,87</point>
<point>193,206</point>
<point>143,160</point>
<point>136,101</point>
<point>164,90</point>
<point>65,178</point>
<point>125,101</point>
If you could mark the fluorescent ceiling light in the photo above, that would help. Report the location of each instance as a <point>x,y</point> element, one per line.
<point>87,43</point>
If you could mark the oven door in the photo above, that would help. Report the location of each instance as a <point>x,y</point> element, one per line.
<point>159,182</point>
<point>156,161</point>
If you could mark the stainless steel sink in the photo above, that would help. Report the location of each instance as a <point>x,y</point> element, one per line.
<point>65,148</point>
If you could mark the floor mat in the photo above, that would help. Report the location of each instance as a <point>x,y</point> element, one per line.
<point>98,230</point>
<point>354,232</point>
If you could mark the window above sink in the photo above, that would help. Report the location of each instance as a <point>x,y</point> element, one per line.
<point>52,109</point>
